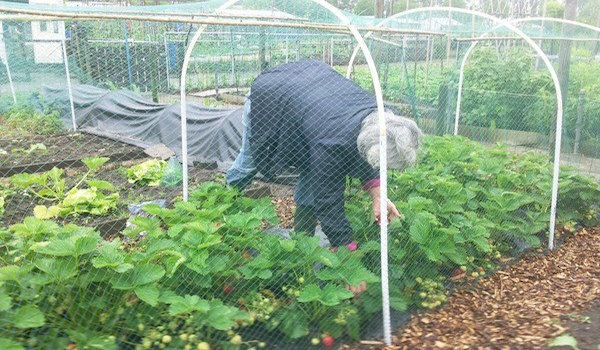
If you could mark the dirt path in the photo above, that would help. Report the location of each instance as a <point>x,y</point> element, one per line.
<point>521,307</point>
<point>584,327</point>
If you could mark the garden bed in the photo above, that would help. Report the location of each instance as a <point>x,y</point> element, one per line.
<point>207,267</point>
<point>42,153</point>
<point>20,205</point>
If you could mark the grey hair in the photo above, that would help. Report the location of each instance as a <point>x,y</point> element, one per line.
<point>403,140</point>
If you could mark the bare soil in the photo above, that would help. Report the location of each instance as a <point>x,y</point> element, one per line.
<point>60,147</point>
<point>584,327</point>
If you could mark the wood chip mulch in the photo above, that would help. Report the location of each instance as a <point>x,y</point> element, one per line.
<point>515,308</point>
<point>285,207</point>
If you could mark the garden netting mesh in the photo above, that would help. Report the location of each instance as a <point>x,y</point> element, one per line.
<point>262,227</point>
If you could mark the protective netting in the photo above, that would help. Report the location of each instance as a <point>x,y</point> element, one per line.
<point>278,243</point>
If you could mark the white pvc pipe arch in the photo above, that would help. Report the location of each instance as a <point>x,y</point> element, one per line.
<point>518,20</point>
<point>10,81</point>
<point>382,142</point>
<point>559,109</point>
<point>557,20</point>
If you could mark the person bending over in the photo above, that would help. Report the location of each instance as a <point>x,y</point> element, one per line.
<point>306,115</point>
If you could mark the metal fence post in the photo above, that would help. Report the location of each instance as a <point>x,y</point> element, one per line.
<point>442,115</point>
<point>233,78</point>
<point>578,124</point>
<point>167,60</point>
<point>449,98</point>
<point>69,87</point>
<point>128,54</point>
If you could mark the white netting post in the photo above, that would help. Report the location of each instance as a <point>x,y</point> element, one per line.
<point>10,82</point>
<point>69,87</point>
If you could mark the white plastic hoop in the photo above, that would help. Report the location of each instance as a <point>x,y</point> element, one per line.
<point>10,81</point>
<point>382,141</point>
<point>559,115</point>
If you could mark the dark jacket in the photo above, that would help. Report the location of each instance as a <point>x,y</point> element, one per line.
<point>307,115</point>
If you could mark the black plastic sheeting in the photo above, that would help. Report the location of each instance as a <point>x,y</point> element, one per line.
<point>214,135</point>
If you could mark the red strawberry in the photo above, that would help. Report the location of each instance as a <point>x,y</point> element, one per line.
<point>328,341</point>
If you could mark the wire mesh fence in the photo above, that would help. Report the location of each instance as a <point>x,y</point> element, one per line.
<point>278,244</point>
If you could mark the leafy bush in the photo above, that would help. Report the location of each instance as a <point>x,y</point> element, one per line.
<point>23,121</point>
<point>147,173</point>
<point>500,91</point>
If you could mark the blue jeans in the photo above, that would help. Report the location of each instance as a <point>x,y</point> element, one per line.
<point>243,169</point>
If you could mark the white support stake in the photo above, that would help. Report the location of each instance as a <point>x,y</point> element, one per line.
<point>69,87</point>
<point>10,82</point>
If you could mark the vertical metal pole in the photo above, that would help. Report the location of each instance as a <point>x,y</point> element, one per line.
<point>232,59</point>
<point>331,53</point>
<point>167,60</point>
<point>287,48</point>
<point>448,42</point>
<point>449,97</point>
<point>10,82</point>
<point>540,43</point>
<point>128,54</point>
<point>69,87</point>
<point>427,61</point>
<point>578,124</point>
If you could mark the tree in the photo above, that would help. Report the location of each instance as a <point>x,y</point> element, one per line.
<point>364,8</point>
<point>555,9</point>
<point>589,12</point>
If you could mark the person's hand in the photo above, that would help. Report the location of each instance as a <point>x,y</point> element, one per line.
<point>392,211</point>
<point>357,290</point>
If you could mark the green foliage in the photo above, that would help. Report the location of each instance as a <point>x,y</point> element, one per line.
<point>36,147</point>
<point>206,268</point>
<point>465,206</point>
<point>24,121</point>
<point>51,187</point>
<point>506,90</point>
<point>555,9</point>
<point>5,191</point>
<point>148,173</point>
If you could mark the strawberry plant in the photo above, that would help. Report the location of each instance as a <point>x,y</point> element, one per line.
<point>48,268</point>
<point>465,207</point>
<point>203,274</point>
<point>51,187</point>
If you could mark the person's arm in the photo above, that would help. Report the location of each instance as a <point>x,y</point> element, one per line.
<point>372,186</point>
